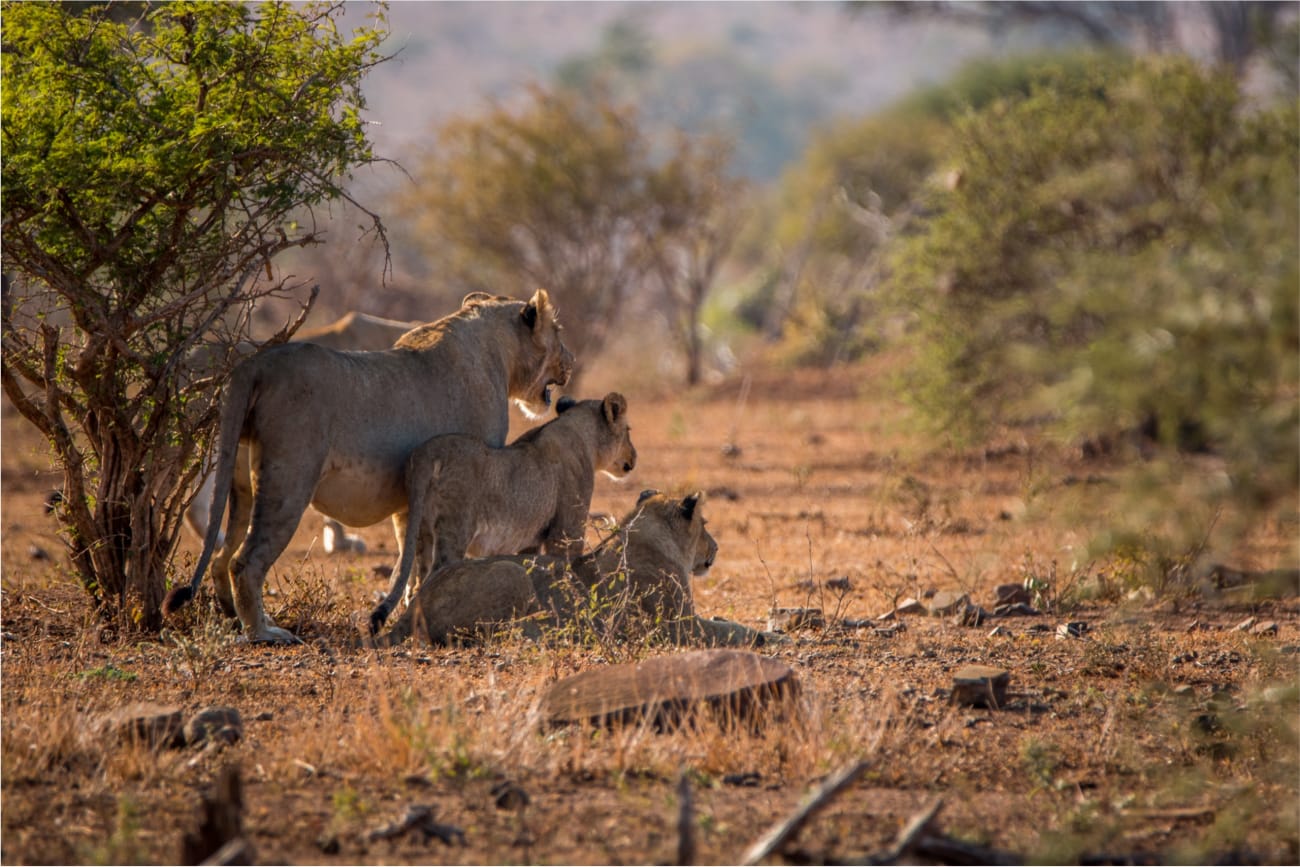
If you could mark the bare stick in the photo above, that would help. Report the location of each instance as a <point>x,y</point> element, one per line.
<point>685,822</point>
<point>782,833</point>
<point>915,827</point>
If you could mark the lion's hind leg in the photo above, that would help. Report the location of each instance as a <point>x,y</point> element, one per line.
<point>278,505</point>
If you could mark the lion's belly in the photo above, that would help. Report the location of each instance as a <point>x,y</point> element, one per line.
<point>359,493</point>
<point>492,538</point>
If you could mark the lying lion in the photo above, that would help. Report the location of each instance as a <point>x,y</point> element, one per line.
<point>641,572</point>
<point>465,498</point>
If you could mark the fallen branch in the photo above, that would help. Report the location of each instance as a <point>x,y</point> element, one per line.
<point>685,822</point>
<point>912,831</point>
<point>418,817</point>
<point>782,833</point>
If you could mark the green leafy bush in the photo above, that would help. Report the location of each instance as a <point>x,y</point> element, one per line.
<point>1120,253</point>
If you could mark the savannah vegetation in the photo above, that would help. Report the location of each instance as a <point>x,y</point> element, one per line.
<point>1036,325</point>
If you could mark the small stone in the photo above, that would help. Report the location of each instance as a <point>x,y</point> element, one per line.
<point>264,716</point>
<point>1015,609</point>
<point>790,619</point>
<point>999,631</point>
<point>1267,627</point>
<point>971,615</point>
<point>980,686</point>
<point>36,552</point>
<point>1245,625</point>
<point>908,606</point>
<point>217,724</point>
<point>329,844</point>
<point>1011,594</point>
<point>947,602</point>
<point>1073,629</point>
<point>1184,689</point>
<point>153,724</point>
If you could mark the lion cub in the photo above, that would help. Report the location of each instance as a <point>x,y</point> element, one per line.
<point>466,499</point>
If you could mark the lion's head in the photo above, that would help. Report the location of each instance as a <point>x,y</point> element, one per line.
<point>615,454</point>
<point>683,521</point>
<point>544,361</point>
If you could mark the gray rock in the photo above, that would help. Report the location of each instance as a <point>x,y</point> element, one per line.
<point>980,686</point>
<point>790,619</point>
<point>216,724</point>
<point>907,606</point>
<point>948,602</point>
<point>156,725</point>
<point>1245,625</point>
<point>1267,627</point>
<point>970,615</point>
<point>1015,609</point>
<point>1073,629</point>
<point>998,631</point>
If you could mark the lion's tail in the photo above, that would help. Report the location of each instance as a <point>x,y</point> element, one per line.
<point>239,398</point>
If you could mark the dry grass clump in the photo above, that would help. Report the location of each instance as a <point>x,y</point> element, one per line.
<point>1160,733</point>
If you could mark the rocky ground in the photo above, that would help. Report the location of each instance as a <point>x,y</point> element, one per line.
<point>973,687</point>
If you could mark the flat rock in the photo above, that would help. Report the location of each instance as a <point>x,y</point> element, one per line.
<point>907,606</point>
<point>980,686</point>
<point>217,724</point>
<point>156,725</point>
<point>790,619</point>
<point>735,684</point>
<point>1015,609</point>
<point>1264,627</point>
<point>947,602</point>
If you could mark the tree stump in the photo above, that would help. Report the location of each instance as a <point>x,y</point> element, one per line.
<point>667,692</point>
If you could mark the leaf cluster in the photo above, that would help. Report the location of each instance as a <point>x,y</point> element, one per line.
<point>153,169</point>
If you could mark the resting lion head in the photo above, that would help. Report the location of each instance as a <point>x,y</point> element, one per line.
<point>680,520</point>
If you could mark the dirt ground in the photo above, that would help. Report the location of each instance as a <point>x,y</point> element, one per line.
<point>1161,732</point>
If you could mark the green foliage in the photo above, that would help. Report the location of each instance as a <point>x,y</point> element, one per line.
<point>859,185</point>
<point>1120,253</point>
<point>152,171</point>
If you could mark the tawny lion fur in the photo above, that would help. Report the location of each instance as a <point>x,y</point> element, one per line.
<point>467,499</point>
<point>642,571</point>
<point>333,430</point>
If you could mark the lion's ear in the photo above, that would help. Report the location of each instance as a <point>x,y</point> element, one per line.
<point>615,406</point>
<point>645,495</point>
<point>476,298</point>
<point>564,404</point>
<point>538,309</point>
<point>689,504</point>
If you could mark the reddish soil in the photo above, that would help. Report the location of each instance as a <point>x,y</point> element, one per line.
<point>1160,733</point>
